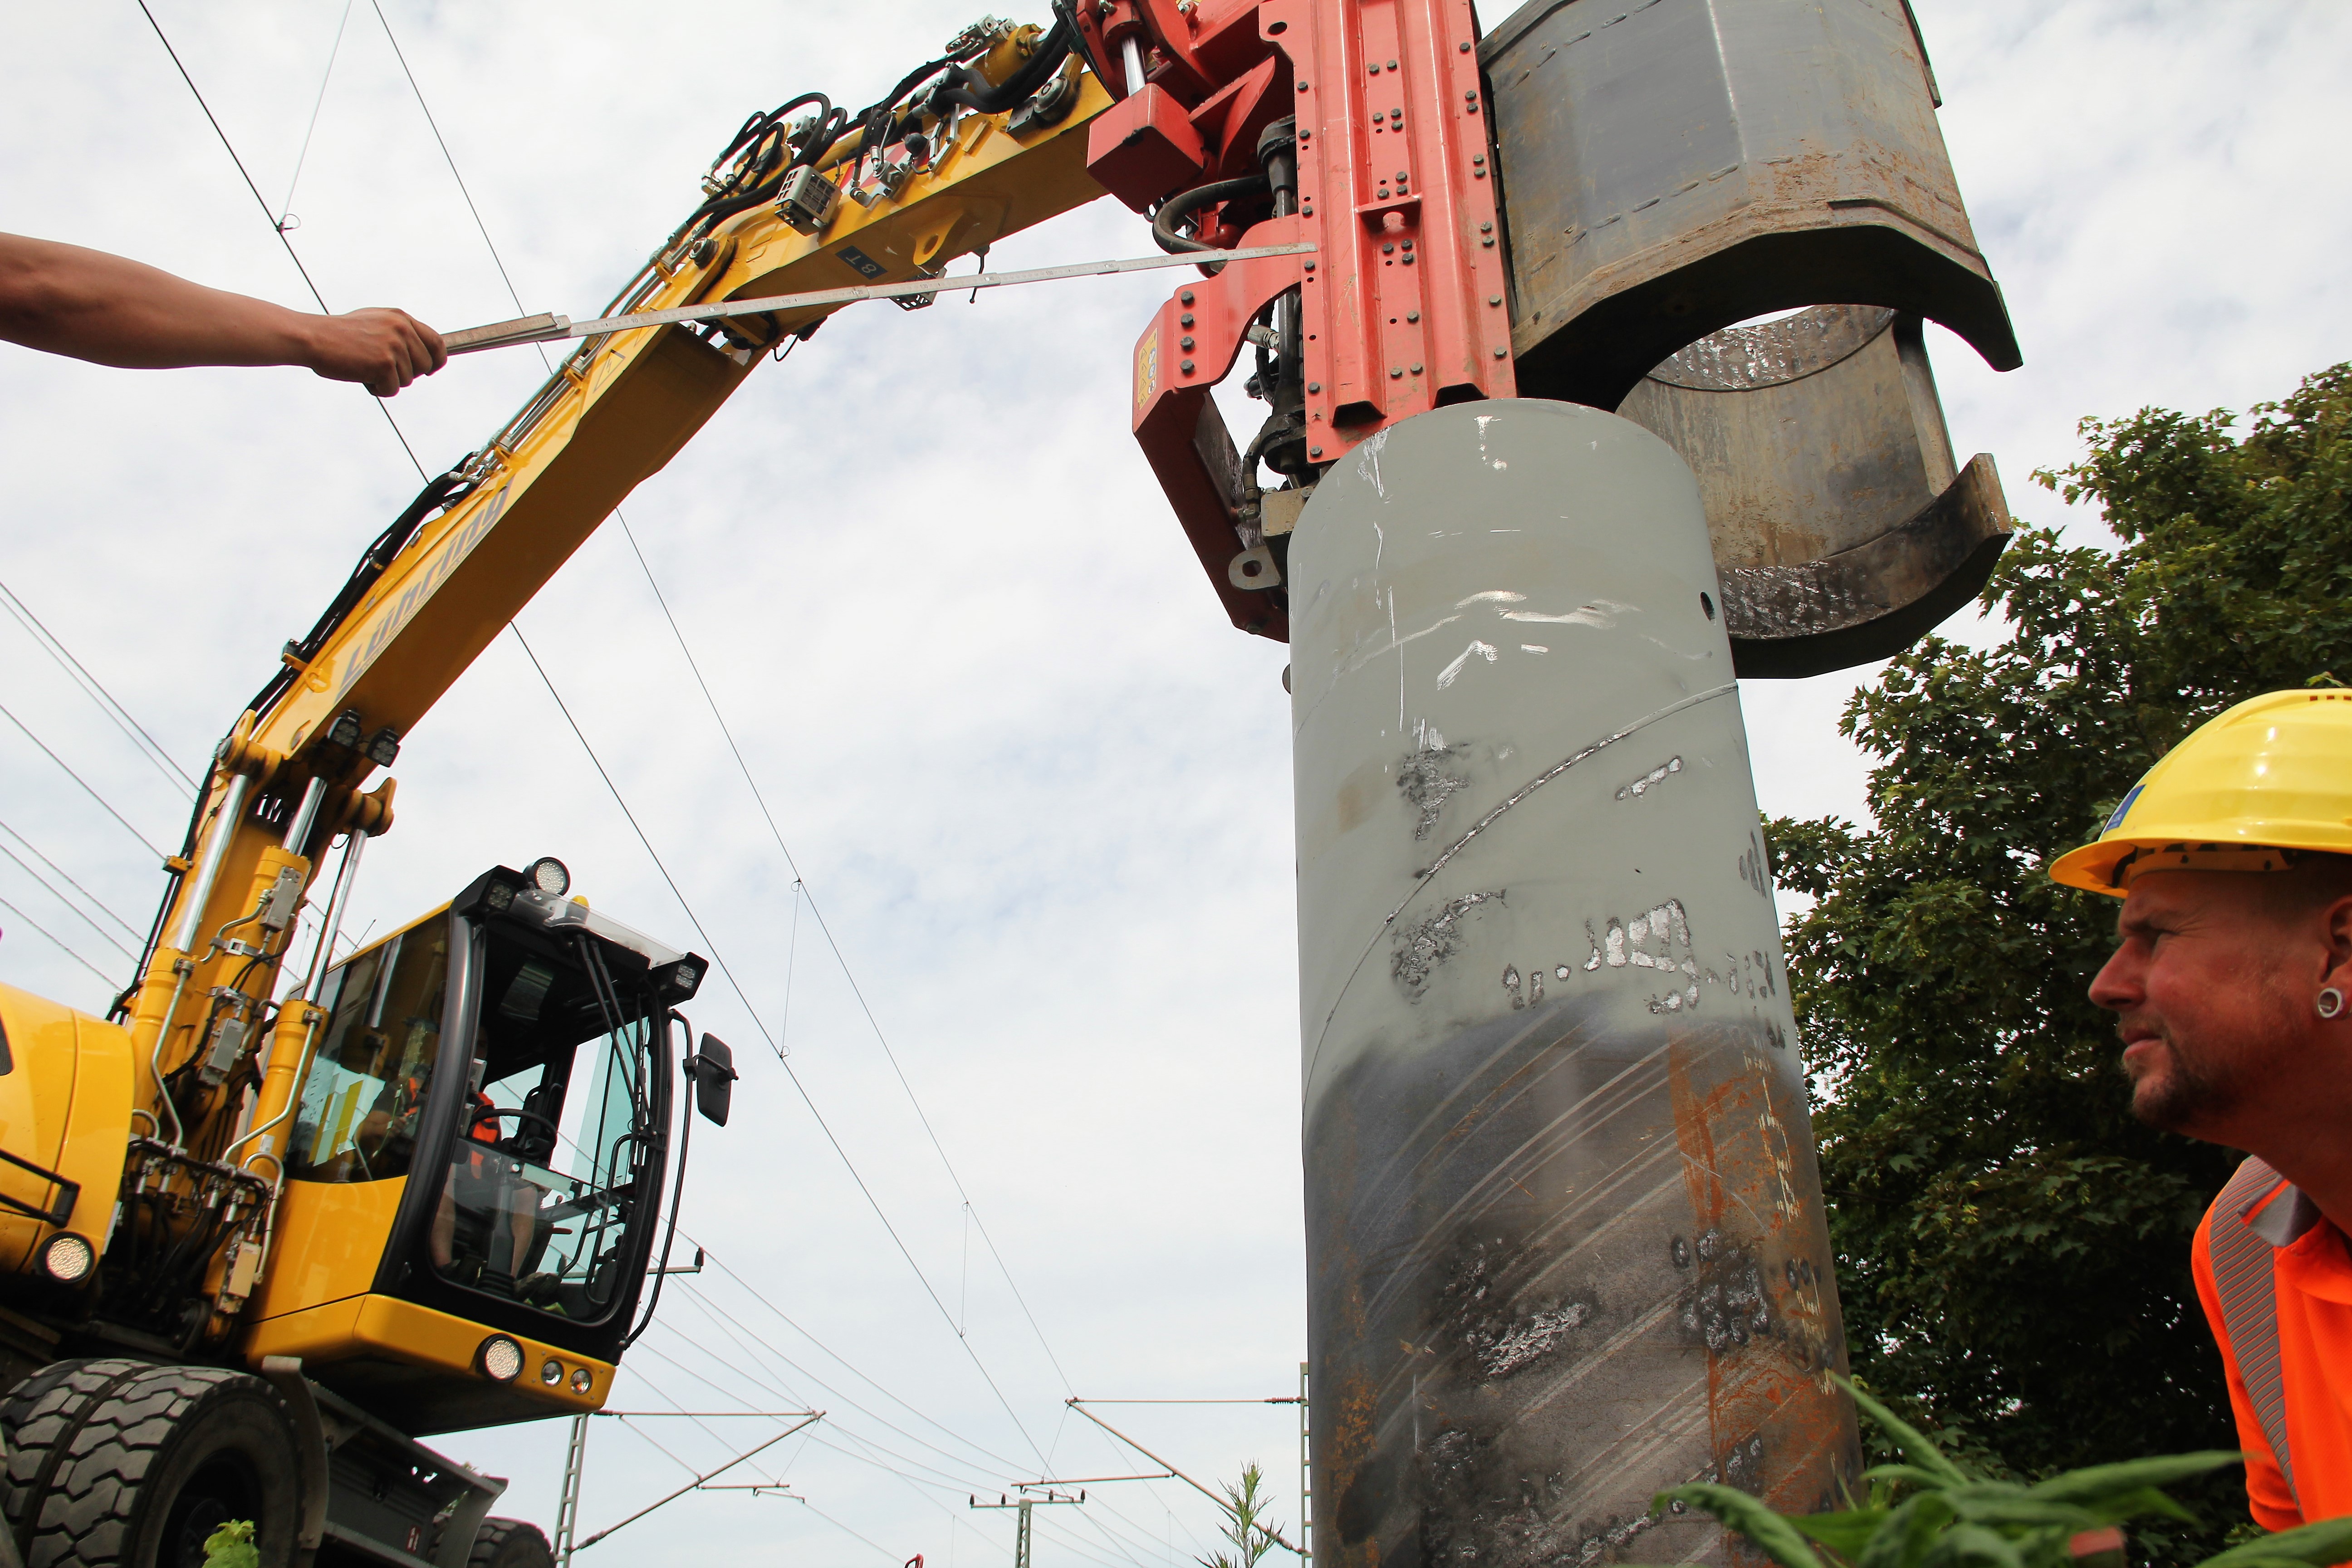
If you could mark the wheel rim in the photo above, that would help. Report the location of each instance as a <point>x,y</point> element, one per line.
<point>224,1489</point>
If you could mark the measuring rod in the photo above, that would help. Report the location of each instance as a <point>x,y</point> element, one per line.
<point>550,328</point>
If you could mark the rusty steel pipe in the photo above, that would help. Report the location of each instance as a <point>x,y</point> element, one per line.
<point>1565,1238</point>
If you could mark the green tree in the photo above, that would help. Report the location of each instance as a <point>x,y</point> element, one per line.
<point>1246,1523</point>
<point>2013,1245</point>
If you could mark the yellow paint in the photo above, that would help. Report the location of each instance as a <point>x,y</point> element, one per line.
<point>614,414</point>
<point>389,1329</point>
<point>65,1104</point>
<point>328,1238</point>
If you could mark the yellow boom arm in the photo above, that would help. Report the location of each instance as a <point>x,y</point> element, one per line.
<point>286,779</point>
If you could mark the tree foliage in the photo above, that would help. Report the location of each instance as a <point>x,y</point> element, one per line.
<point>2012,1245</point>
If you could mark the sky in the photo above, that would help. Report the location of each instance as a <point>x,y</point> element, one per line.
<point>1030,954</point>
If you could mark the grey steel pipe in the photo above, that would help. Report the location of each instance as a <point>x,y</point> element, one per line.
<point>1565,1239</point>
<point>345,875</point>
<point>200,891</point>
<point>298,831</point>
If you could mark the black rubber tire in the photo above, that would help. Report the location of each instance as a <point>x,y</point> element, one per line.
<point>164,1458</point>
<point>39,1414</point>
<point>511,1543</point>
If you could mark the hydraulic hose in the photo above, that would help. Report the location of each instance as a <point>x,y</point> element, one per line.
<point>1181,206</point>
<point>973,91</point>
<point>445,492</point>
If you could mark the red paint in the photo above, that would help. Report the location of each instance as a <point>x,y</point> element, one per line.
<point>1402,304</point>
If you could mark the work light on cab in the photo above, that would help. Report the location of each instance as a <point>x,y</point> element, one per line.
<point>550,875</point>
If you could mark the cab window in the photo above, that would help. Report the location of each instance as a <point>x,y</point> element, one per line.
<point>559,1118</point>
<point>367,1084</point>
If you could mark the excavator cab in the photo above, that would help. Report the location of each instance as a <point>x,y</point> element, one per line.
<point>474,1178</point>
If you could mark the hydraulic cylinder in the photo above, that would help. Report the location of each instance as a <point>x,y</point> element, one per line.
<point>1565,1239</point>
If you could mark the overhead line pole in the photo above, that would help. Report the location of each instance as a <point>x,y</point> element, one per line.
<point>1079,1405</point>
<point>569,1509</point>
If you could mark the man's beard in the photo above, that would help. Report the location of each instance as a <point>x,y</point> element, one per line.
<point>2179,1090</point>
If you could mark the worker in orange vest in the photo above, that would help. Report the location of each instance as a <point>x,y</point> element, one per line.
<point>87,305</point>
<point>2233,860</point>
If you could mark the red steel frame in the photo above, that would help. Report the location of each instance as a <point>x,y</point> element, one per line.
<point>1402,301</point>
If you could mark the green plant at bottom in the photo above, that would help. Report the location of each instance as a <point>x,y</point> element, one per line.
<point>1934,1511</point>
<point>231,1546</point>
<point>1245,1508</point>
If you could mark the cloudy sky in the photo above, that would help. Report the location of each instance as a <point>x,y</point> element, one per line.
<point>1037,789</point>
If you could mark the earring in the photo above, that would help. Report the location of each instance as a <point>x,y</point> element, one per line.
<point>2331,1001</point>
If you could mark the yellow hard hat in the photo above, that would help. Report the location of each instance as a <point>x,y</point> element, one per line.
<point>2273,773</point>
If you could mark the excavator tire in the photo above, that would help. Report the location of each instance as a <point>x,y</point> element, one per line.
<point>511,1543</point>
<point>149,1460</point>
<point>40,1416</point>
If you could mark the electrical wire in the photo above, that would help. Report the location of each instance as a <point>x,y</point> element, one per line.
<point>775,1043</point>
<point>129,930</point>
<point>104,934</point>
<point>715,958</point>
<point>134,732</point>
<point>857,990</point>
<point>85,783</point>
<point>105,979</point>
<point>286,218</point>
<point>1008,1466</point>
<point>263,203</point>
<point>435,126</point>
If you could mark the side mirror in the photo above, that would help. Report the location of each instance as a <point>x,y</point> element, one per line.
<point>712,1069</point>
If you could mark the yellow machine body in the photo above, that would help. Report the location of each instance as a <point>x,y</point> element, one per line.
<point>66,1107</point>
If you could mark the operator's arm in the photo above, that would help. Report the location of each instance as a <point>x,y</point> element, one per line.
<point>91,306</point>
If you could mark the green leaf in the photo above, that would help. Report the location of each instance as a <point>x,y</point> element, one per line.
<point>1775,1536</point>
<point>1845,1534</point>
<point>1903,1541</point>
<point>1911,1473</point>
<point>1975,1544</point>
<point>2329,1541</point>
<point>2140,1505</point>
<point>2027,1513</point>
<point>2102,1481</point>
<point>1913,1442</point>
<point>231,1546</point>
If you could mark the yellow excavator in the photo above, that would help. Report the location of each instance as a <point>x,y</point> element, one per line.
<point>278,1218</point>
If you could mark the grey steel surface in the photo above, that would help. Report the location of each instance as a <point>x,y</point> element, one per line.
<point>1670,167</point>
<point>1851,541</point>
<point>1565,1237</point>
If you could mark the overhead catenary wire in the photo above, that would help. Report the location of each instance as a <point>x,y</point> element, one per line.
<point>86,788</point>
<point>104,978</point>
<point>286,218</point>
<point>715,958</point>
<point>263,202</point>
<point>825,928</point>
<point>75,909</point>
<point>127,929</point>
<point>775,1043</point>
<point>1004,1471</point>
<point>134,732</point>
<point>907,1086</point>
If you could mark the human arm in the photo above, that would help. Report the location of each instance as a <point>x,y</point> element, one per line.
<point>108,309</point>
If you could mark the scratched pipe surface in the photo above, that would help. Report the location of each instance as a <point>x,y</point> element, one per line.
<point>1564,1226</point>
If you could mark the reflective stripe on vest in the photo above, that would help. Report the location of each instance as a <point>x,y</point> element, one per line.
<point>2240,1245</point>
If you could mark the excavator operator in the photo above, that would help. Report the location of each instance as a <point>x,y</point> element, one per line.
<point>87,305</point>
<point>2233,858</point>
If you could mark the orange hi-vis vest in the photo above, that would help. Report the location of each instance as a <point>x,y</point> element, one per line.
<point>2275,1278</point>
